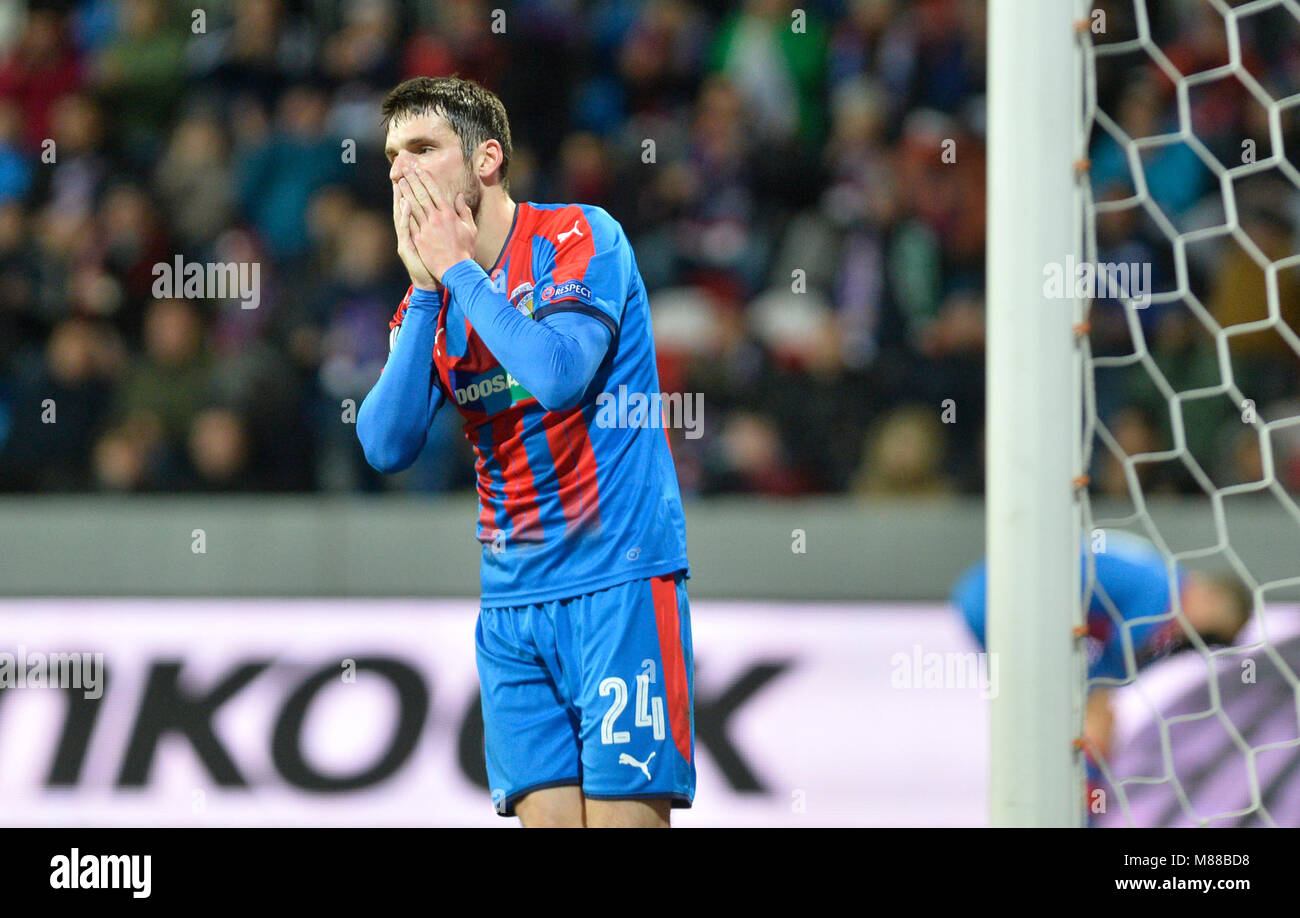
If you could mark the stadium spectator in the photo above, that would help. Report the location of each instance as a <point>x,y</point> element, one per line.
<point>277,178</point>
<point>15,163</point>
<point>40,70</point>
<point>194,181</point>
<point>904,455</point>
<point>173,379</point>
<point>138,74</point>
<point>778,71</point>
<point>58,407</point>
<point>219,451</point>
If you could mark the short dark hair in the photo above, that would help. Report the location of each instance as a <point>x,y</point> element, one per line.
<point>475,114</point>
<point>1240,596</point>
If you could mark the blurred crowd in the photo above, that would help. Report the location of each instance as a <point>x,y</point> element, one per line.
<point>810,226</point>
<point>1187,381</point>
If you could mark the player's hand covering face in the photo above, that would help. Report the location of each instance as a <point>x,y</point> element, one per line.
<point>442,229</point>
<point>426,142</point>
<point>402,223</point>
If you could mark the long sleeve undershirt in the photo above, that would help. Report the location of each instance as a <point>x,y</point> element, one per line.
<point>554,358</point>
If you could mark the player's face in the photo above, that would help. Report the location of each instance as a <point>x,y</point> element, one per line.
<point>428,141</point>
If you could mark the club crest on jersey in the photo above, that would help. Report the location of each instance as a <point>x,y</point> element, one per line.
<point>522,298</point>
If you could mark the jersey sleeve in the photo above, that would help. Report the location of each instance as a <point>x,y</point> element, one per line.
<point>592,270</point>
<point>553,357</point>
<point>395,323</point>
<point>970,597</point>
<point>395,326</point>
<point>1137,585</point>
<point>394,418</point>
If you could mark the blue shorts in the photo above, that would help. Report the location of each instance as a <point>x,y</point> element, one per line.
<point>596,691</point>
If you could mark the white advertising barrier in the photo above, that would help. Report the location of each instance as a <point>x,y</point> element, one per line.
<point>287,712</point>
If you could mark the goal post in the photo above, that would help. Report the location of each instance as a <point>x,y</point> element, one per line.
<point>1033,442</point>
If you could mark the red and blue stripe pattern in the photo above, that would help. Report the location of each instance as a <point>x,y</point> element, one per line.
<point>565,506</point>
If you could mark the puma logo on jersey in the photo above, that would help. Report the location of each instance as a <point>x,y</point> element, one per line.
<point>625,759</point>
<point>565,235</point>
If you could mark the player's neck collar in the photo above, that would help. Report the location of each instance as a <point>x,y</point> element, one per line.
<point>509,235</point>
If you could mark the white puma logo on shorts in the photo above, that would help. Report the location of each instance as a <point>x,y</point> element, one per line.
<point>625,759</point>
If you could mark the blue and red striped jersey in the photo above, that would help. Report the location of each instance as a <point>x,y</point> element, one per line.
<point>1131,576</point>
<point>567,504</point>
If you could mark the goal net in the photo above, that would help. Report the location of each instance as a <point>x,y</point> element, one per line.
<point>1188,297</point>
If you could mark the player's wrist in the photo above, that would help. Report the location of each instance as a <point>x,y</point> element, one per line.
<point>454,271</point>
<point>425,297</point>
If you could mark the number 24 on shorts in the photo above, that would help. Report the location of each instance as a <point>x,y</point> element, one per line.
<point>649,711</point>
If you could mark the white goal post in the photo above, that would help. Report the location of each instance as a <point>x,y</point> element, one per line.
<point>1033,409</point>
<point>1139,136</point>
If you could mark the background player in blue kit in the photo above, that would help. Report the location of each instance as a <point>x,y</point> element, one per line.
<point>1135,578</point>
<point>520,315</point>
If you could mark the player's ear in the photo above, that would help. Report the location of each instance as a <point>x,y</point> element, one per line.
<point>487,158</point>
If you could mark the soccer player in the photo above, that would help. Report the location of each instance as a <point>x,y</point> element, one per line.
<point>1132,574</point>
<point>520,315</point>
